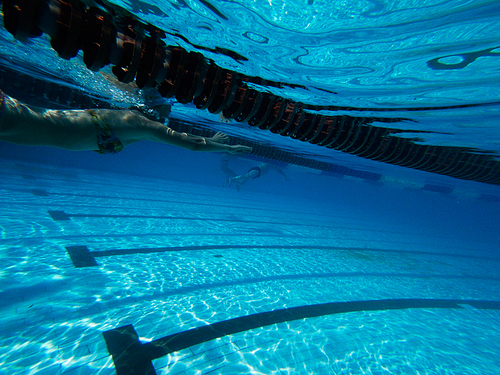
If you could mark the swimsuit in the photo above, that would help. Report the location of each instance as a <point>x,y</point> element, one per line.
<point>107,141</point>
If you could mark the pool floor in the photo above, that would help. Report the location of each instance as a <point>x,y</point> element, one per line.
<point>106,274</point>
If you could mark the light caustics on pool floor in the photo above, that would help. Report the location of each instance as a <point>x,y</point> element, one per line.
<point>115,274</point>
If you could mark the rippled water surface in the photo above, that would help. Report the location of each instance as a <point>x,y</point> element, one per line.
<point>380,57</point>
<point>364,53</point>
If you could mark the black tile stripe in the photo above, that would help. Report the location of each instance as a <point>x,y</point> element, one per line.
<point>124,346</point>
<point>295,277</point>
<point>489,197</point>
<point>262,230</point>
<point>265,212</point>
<point>126,181</point>
<point>438,188</point>
<point>253,282</point>
<point>181,202</point>
<point>81,257</point>
<point>150,188</point>
<point>59,216</point>
<point>86,258</point>
<point>158,235</point>
<point>62,216</point>
<point>157,200</point>
<point>40,192</point>
<point>167,217</point>
<point>130,356</point>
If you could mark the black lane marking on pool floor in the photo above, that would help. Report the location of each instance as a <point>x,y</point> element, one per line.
<point>438,188</point>
<point>81,256</point>
<point>428,187</point>
<point>63,216</point>
<point>252,204</point>
<point>130,356</point>
<point>489,197</point>
<point>40,192</point>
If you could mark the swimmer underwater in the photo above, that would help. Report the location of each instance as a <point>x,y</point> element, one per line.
<point>106,131</point>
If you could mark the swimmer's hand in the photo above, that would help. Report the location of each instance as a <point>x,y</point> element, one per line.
<point>220,137</point>
<point>223,138</point>
<point>239,149</point>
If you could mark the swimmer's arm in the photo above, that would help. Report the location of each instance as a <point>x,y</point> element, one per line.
<point>197,143</point>
<point>131,127</point>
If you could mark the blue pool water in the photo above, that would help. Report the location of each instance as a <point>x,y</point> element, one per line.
<point>145,259</point>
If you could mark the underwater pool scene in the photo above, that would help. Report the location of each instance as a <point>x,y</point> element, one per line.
<point>365,238</point>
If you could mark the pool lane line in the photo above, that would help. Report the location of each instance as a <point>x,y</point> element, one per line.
<point>82,257</point>
<point>140,188</point>
<point>63,216</point>
<point>443,189</point>
<point>285,233</point>
<point>57,215</point>
<point>44,193</point>
<point>260,234</point>
<point>234,288</point>
<point>90,205</point>
<point>131,357</point>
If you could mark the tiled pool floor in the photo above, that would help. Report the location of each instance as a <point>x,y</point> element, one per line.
<point>221,282</point>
